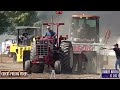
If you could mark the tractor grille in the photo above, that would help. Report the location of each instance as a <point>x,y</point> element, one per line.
<point>42,47</point>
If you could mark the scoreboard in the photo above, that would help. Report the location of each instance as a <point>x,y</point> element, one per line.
<point>110,73</point>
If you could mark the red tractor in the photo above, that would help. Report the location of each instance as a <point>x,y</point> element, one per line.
<point>43,51</point>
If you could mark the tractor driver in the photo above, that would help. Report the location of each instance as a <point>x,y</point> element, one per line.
<point>51,34</point>
<point>24,38</point>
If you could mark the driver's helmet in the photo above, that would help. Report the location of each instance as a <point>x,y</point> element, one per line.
<point>48,27</point>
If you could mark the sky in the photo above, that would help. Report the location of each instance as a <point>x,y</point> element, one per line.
<point>108,19</point>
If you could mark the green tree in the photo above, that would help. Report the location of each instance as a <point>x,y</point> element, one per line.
<point>4,22</point>
<point>21,18</point>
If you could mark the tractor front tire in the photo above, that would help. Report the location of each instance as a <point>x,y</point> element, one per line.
<point>57,66</point>
<point>28,66</point>
<point>10,55</point>
<point>14,58</point>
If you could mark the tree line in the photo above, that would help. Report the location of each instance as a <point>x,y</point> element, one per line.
<point>10,19</point>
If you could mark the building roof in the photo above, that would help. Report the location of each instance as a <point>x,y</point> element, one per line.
<point>85,15</point>
<point>27,27</point>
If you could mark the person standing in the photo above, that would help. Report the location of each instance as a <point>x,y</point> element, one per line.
<point>117,52</point>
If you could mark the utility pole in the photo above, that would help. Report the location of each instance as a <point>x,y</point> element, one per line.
<point>52,21</point>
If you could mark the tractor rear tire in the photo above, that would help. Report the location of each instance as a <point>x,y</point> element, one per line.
<point>37,68</point>
<point>14,58</point>
<point>28,66</point>
<point>66,57</point>
<point>33,51</point>
<point>57,66</point>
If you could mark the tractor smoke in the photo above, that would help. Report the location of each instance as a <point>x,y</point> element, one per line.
<point>107,20</point>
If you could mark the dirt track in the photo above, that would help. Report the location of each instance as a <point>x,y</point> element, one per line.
<point>7,64</point>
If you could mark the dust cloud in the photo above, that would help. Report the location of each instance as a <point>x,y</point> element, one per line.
<point>108,19</point>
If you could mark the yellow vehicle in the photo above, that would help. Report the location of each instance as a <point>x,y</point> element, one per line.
<point>25,36</point>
